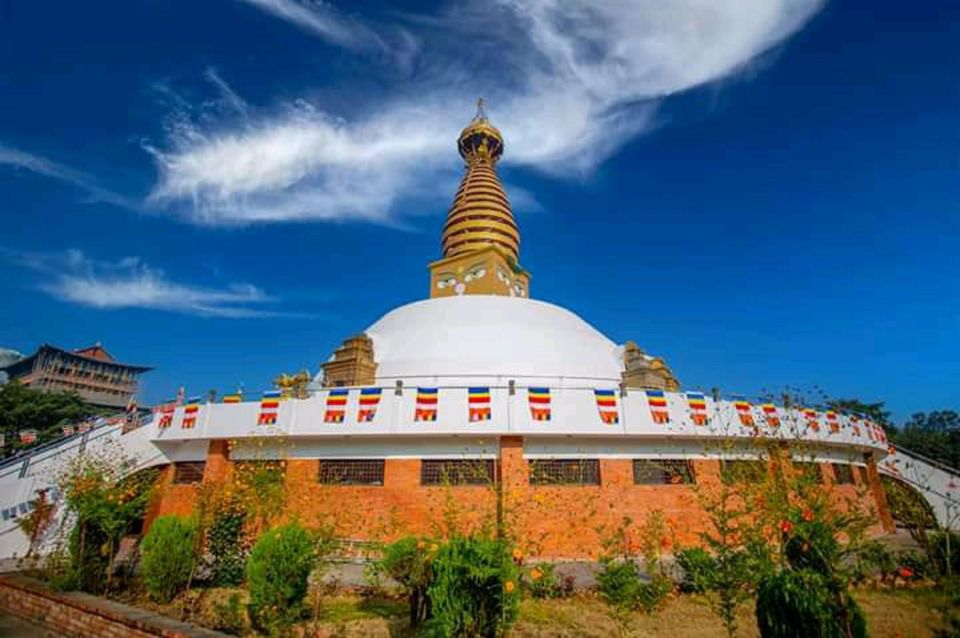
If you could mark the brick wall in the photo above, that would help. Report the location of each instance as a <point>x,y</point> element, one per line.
<point>77,615</point>
<point>552,521</point>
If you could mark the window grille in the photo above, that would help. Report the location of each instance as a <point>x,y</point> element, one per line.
<point>351,472</point>
<point>188,472</point>
<point>843,473</point>
<point>662,472</point>
<point>748,471</point>
<point>810,470</point>
<point>456,472</point>
<point>564,472</point>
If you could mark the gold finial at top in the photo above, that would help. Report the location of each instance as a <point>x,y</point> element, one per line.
<point>480,141</point>
<point>481,115</point>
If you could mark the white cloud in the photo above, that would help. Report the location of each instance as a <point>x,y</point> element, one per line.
<point>569,82</point>
<point>130,283</point>
<point>48,168</point>
<point>324,20</point>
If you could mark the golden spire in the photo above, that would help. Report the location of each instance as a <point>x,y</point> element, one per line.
<point>481,243</point>
<point>480,215</point>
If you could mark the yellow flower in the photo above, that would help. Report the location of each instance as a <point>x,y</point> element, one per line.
<point>433,547</point>
<point>421,544</point>
<point>517,554</point>
<point>509,586</point>
<point>536,574</point>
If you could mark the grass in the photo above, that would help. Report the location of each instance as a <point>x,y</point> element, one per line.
<point>891,614</point>
<point>911,613</point>
<point>902,614</point>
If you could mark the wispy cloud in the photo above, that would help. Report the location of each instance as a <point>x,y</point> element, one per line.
<point>326,21</point>
<point>48,168</point>
<point>569,83</point>
<point>73,277</point>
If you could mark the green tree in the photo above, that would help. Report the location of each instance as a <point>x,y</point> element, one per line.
<point>22,408</point>
<point>935,435</point>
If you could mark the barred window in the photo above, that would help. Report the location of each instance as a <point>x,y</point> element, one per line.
<point>564,472</point>
<point>843,473</point>
<point>748,471</point>
<point>456,472</point>
<point>811,471</point>
<point>188,471</point>
<point>351,472</point>
<point>662,471</point>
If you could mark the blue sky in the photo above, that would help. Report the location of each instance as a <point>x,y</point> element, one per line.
<point>766,194</point>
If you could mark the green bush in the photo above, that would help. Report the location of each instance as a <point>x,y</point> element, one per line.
<point>800,604</point>
<point>945,563</point>
<point>698,568</point>
<point>475,588</point>
<point>407,561</point>
<point>623,588</point>
<point>873,559</point>
<point>918,564</point>
<point>542,581</point>
<point>653,593</point>
<point>167,556</point>
<point>277,573</point>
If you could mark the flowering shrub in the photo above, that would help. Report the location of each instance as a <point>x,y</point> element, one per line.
<point>542,582</point>
<point>104,503</point>
<point>475,588</point>
<point>226,544</point>
<point>277,573</point>
<point>168,557</point>
<point>407,561</point>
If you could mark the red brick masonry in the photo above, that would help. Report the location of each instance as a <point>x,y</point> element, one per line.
<point>77,615</point>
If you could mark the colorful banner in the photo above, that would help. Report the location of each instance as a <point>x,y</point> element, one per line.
<point>744,412</point>
<point>28,437</point>
<point>771,415</point>
<point>478,404</point>
<point>539,402</point>
<point>426,409</point>
<point>811,416</point>
<point>369,400</point>
<point>166,414</point>
<point>881,434</point>
<point>232,398</point>
<point>698,407</point>
<point>607,406</point>
<point>832,422</point>
<point>657,401</point>
<point>855,424</point>
<point>269,407</point>
<point>86,426</point>
<point>336,405</point>
<point>190,411</point>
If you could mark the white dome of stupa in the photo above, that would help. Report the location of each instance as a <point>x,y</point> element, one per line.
<point>491,339</point>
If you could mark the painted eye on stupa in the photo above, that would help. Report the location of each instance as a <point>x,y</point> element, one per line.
<point>445,283</point>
